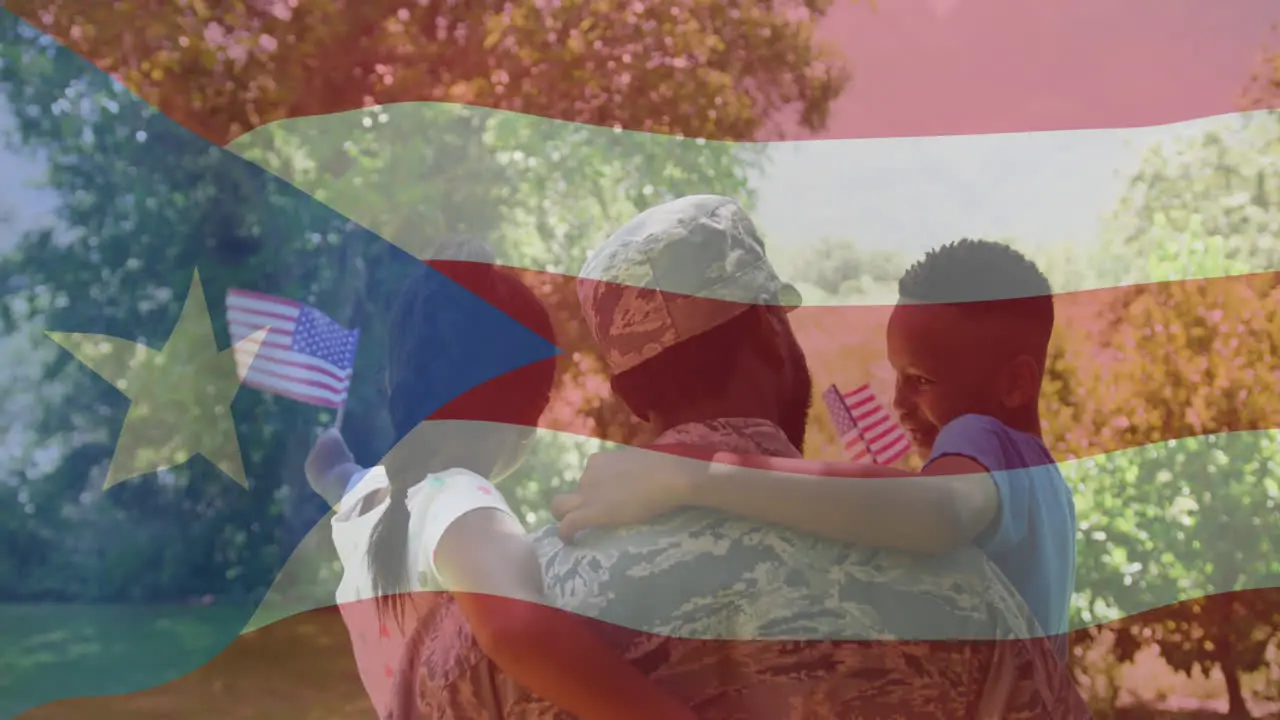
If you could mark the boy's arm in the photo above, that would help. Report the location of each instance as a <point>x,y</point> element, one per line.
<point>945,507</point>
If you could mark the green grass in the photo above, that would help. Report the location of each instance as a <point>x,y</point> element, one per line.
<point>299,668</point>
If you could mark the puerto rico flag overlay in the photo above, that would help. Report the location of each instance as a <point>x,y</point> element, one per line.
<point>317,152</point>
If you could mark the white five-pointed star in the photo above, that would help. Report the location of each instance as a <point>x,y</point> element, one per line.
<point>181,395</point>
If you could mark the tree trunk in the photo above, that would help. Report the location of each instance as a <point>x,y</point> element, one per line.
<point>1236,707</point>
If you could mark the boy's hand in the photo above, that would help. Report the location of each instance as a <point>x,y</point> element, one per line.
<point>626,487</point>
<point>328,454</point>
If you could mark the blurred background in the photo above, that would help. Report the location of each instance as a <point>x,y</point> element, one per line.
<point>1161,400</point>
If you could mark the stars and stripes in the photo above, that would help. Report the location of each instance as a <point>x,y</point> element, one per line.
<point>868,431</point>
<point>846,428</point>
<point>306,356</point>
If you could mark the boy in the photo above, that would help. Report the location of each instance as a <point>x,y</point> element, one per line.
<point>967,392</point>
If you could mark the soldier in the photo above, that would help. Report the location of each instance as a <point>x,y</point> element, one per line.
<point>736,619</point>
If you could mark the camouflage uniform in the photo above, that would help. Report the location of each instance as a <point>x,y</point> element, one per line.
<point>673,272</point>
<point>736,619</point>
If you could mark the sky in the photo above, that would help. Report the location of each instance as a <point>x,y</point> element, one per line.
<point>915,193</point>
<point>23,202</point>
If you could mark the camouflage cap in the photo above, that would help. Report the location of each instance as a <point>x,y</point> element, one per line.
<point>673,272</point>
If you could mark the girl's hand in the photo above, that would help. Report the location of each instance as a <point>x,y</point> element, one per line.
<point>328,454</point>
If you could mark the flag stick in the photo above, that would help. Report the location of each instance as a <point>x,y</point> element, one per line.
<point>342,411</point>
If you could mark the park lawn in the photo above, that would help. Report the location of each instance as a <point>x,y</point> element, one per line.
<point>301,667</point>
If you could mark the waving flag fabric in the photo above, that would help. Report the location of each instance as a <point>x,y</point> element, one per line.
<point>865,426</point>
<point>161,572</point>
<point>295,123</point>
<point>846,426</point>
<point>305,356</point>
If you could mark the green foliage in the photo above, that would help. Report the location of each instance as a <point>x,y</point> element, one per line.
<point>845,269</point>
<point>698,68</point>
<point>139,210</point>
<point>1222,188</point>
<point>1191,362</point>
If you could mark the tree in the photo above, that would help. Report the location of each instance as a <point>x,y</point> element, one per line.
<point>1224,183</point>
<point>700,68</point>
<point>843,267</point>
<point>1195,518</point>
<point>145,202</point>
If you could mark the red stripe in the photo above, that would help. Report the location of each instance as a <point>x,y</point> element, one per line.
<point>895,452</point>
<point>979,66</point>
<point>856,404</point>
<point>1005,66</point>
<point>275,338</point>
<point>265,298</point>
<point>863,391</point>
<point>298,640</point>
<point>1083,317</point>
<point>875,440</point>
<point>872,425</point>
<point>269,369</point>
<point>292,367</point>
<point>854,443</point>
<point>285,392</point>
<point>272,376</point>
<point>251,318</point>
<point>305,367</point>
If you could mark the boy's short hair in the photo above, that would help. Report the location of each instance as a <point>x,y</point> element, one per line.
<point>986,278</point>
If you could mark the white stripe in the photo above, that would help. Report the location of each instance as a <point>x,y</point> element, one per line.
<point>275,336</point>
<point>275,376</point>
<point>1046,188</point>
<point>887,441</point>
<point>861,394</point>
<point>270,352</point>
<point>895,450</point>
<point>316,551</point>
<point>248,305</point>
<point>265,370</point>
<point>256,320</point>
<point>311,396</point>
<point>259,375</point>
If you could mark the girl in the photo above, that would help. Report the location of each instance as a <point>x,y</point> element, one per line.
<point>428,519</point>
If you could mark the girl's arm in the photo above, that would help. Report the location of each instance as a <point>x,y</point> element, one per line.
<point>489,564</point>
<point>330,466</point>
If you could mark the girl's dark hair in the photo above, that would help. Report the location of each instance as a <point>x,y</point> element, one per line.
<point>424,349</point>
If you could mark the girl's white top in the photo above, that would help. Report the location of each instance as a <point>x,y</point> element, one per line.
<point>434,505</point>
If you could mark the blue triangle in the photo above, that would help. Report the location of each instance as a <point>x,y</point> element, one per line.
<point>485,343</point>
<point>142,629</point>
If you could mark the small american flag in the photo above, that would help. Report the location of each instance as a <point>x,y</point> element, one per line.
<point>865,426</point>
<point>306,356</point>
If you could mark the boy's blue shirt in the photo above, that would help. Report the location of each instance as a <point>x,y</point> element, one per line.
<point>1033,537</point>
